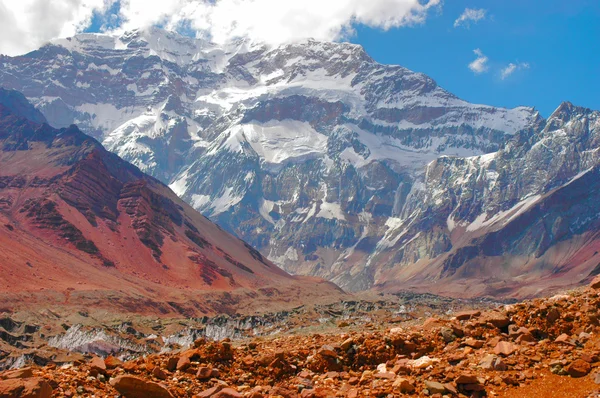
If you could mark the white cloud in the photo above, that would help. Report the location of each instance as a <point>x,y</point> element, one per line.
<point>470,15</point>
<point>27,24</point>
<point>512,68</point>
<point>480,64</point>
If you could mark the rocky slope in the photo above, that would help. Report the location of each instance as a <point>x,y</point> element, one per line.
<point>541,348</point>
<point>311,151</point>
<point>81,227</point>
<point>518,221</point>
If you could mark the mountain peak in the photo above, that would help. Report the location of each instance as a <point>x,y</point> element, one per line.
<point>18,105</point>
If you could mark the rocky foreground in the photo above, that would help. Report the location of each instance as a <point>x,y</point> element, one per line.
<point>546,347</point>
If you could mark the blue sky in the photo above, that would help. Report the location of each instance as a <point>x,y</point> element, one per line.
<point>559,40</point>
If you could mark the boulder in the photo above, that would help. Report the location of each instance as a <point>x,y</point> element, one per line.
<point>32,387</point>
<point>135,387</point>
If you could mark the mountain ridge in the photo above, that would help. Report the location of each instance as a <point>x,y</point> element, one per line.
<point>82,227</point>
<point>313,152</point>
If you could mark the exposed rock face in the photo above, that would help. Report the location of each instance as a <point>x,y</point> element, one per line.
<point>334,165</point>
<point>82,224</point>
<point>310,152</point>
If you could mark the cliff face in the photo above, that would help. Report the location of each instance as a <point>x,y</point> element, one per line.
<point>79,222</point>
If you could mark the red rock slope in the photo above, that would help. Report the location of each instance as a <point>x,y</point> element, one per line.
<point>80,226</point>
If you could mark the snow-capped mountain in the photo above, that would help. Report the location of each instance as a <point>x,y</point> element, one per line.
<point>327,161</point>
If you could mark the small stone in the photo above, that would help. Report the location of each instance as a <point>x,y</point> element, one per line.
<point>97,366</point>
<point>183,363</point>
<point>112,362</point>
<point>159,373</point>
<point>466,315</point>
<point>578,368</point>
<point>595,284</point>
<point>505,348</point>
<point>227,393</point>
<point>204,373</point>
<point>434,387</point>
<point>210,392</point>
<point>327,351</point>
<point>492,362</point>
<point>466,379</point>
<point>403,385</point>
<point>172,364</point>
<point>347,344</point>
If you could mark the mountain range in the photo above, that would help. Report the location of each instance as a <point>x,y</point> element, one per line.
<point>334,165</point>
<point>81,227</point>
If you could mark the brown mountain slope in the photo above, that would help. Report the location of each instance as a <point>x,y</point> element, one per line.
<point>80,226</point>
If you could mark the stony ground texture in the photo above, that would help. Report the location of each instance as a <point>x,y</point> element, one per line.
<point>540,348</point>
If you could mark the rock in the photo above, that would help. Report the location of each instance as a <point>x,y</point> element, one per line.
<point>347,344</point>
<point>492,362</point>
<point>204,373</point>
<point>22,373</point>
<point>227,393</point>
<point>597,378</point>
<point>578,368</point>
<point>97,366</point>
<point>159,373</point>
<point>496,318</point>
<point>210,392</point>
<point>564,339</point>
<point>327,351</point>
<point>32,387</point>
<point>112,362</point>
<point>135,387</point>
<point>183,363</point>
<point>595,284</point>
<point>505,348</point>
<point>552,316</point>
<point>403,385</point>
<point>423,362</point>
<point>385,375</point>
<point>447,334</point>
<point>471,342</point>
<point>434,387</point>
<point>172,364</point>
<point>467,379</point>
<point>466,315</point>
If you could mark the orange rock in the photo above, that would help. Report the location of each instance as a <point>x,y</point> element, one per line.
<point>210,392</point>
<point>328,351</point>
<point>466,315</point>
<point>111,362</point>
<point>595,283</point>
<point>22,373</point>
<point>183,363</point>
<point>159,373</point>
<point>504,348</point>
<point>32,387</point>
<point>135,387</point>
<point>227,393</point>
<point>204,373</point>
<point>578,368</point>
<point>97,366</point>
